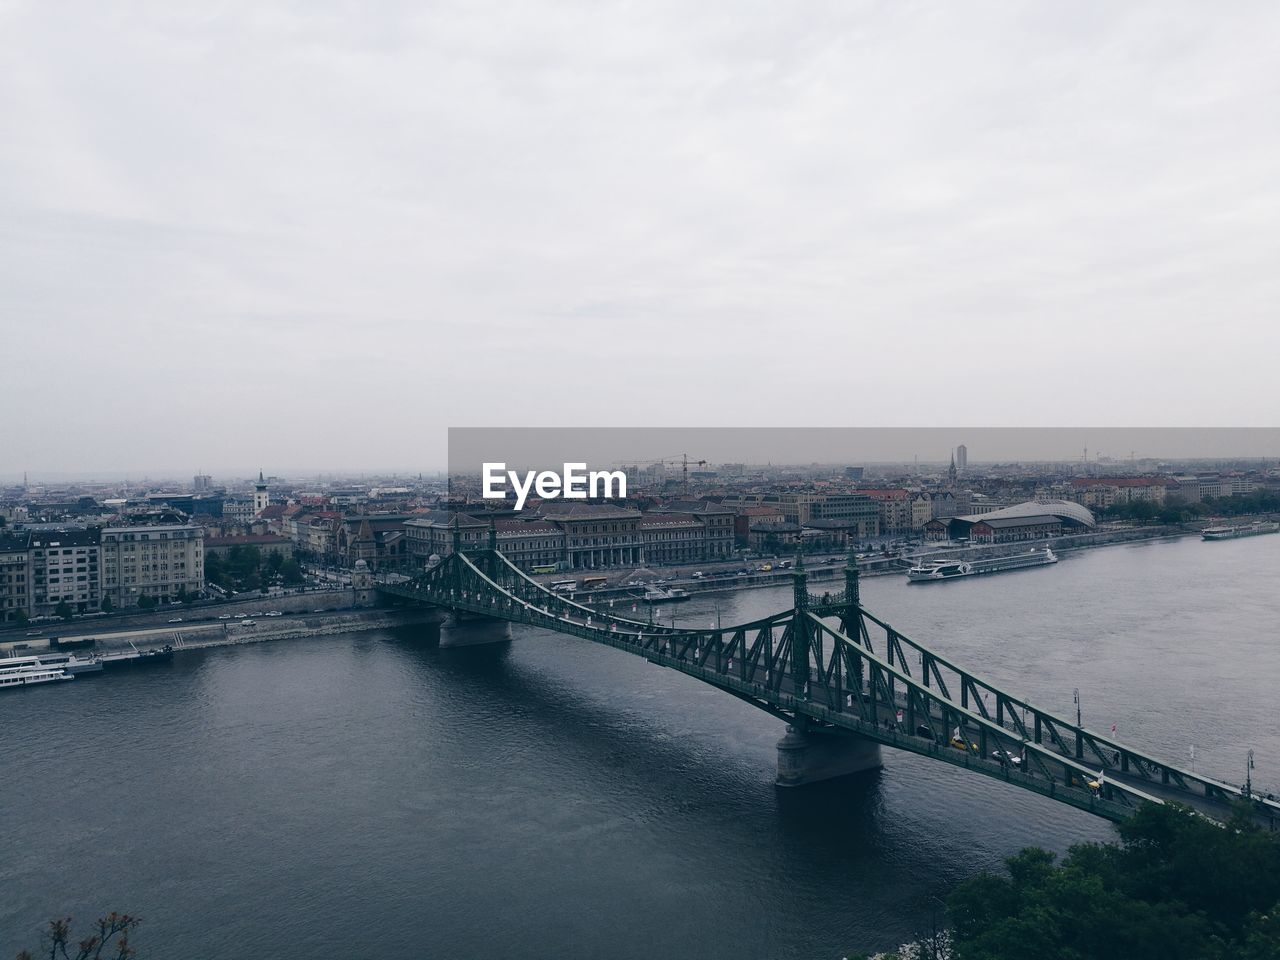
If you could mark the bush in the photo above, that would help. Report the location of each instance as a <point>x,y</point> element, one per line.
<point>1177,887</point>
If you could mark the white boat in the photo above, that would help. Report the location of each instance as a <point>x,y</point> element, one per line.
<point>659,595</point>
<point>1239,530</point>
<point>56,660</point>
<point>927,571</point>
<point>27,675</point>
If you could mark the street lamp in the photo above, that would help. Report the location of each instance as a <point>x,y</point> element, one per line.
<point>1248,777</point>
<point>1076,694</point>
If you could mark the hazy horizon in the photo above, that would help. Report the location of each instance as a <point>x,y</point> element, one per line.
<point>930,448</point>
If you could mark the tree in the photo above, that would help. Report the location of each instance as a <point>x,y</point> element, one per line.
<point>1176,888</point>
<point>63,610</point>
<point>110,939</point>
<point>291,572</point>
<point>107,605</point>
<point>146,601</point>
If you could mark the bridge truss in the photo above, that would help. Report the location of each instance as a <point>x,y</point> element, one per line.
<point>857,675</point>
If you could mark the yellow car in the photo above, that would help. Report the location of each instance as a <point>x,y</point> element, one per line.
<point>962,745</point>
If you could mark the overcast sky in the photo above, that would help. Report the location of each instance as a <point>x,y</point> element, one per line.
<point>317,234</point>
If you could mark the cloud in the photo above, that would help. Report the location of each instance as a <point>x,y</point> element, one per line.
<point>216,220</point>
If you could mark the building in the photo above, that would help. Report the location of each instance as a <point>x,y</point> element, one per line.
<point>962,457</point>
<point>1034,520</point>
<point>829,534</point>
<point>1099,493</point>
<point>162,559</point>
<point>15,576</point>
<point>65,567</point>
<point>672,538</point>
<point>596,534</point>
<point>377,539</point>
<point>921,510</point>
<point>531,543</point>
<point>431,534</point>
<point>238,509</point>
<point>260,495</point>
<point>894,506</point>
<point>1210,485</point>
<point>1015,529</point>
<point>718,524</point>
<point>747,518</point>
<point>774,537</point>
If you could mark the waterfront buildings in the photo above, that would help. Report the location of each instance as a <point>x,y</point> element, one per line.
<point>1032,520</point>
<point>161,557</point>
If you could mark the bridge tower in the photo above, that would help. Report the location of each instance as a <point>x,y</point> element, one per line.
<point>362,584</point>
<point>851,624</point>
<point>801,629</point>
<point>809,752</point>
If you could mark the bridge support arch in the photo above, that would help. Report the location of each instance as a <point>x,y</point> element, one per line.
<point>809,756</point>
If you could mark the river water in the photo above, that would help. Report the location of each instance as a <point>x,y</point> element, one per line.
<point>382,794</point>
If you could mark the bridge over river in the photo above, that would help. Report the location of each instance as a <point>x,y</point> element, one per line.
<point>848,684</point>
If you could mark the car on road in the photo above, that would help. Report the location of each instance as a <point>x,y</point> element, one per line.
<point>224,616</point>
<point>1005,756</point>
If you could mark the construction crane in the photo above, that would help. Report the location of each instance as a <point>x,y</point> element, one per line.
<point>682,459</point>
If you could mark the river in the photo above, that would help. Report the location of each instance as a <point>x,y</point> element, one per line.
<point>381,794</point>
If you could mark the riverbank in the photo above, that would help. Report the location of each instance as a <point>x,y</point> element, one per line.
<point>224,633</point>
<point>821,571</point>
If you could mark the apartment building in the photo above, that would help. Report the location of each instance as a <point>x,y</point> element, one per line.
<point>160,559</point>
<point>15,576</point>
<point>65,567</point>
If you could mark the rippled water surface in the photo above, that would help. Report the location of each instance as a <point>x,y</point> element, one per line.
<point>358,795</point>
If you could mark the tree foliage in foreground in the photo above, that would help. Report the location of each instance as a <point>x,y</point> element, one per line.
<point>108,939</point>
<point>1176,887</point>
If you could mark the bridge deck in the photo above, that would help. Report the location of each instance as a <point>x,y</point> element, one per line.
<point>799,668</point>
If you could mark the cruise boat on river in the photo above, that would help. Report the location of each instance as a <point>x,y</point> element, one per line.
<point>928,571</point>
<point>1239,530</point>
<point>55,660</point>
<point>658,595</point>
<point>17,676</point>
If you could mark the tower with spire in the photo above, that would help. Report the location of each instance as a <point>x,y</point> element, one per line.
<point>951,470</point>
<point>260,496</point>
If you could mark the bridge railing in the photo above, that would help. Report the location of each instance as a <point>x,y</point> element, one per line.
<point>1039,725</point>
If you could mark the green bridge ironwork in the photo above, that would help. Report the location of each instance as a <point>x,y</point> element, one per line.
<point>859,677</point>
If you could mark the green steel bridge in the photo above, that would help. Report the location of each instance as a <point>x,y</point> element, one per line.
<point>847,683</point>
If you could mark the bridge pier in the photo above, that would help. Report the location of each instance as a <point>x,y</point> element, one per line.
<point>468,629</point>
<point>812,756</point>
